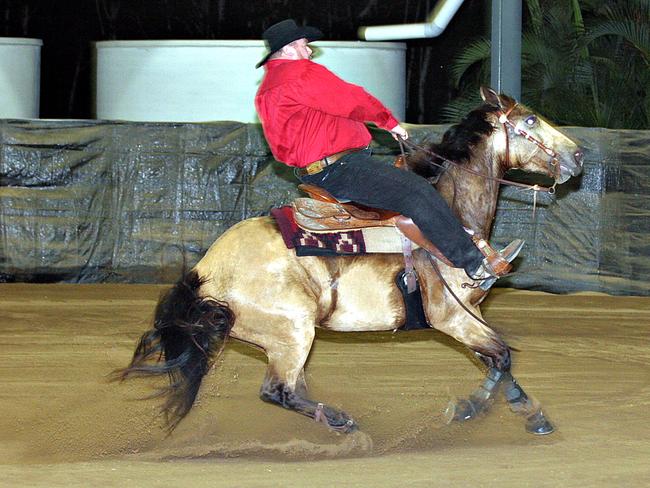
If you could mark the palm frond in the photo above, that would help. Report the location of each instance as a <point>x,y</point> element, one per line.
<point>636,34</point>
<point>456,109</point>
<point>536,15</point>
<point>584,62</point>
<point>476,52</point>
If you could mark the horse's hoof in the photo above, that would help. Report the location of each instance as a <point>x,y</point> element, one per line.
<point>336,421</point>
<point>349,427</point>
<point>538,424</point>
<point>346,428</point>
<point>460,411</point>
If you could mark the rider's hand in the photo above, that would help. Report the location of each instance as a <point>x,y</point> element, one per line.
<point>399,132</point>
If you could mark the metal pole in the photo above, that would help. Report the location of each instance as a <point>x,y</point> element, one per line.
<point>505,75</point>
<point>436,23</point>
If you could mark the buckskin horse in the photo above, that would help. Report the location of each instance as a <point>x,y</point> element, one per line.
<point>250,287</point>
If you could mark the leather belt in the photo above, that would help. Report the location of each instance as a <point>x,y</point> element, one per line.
<point>321,164</point>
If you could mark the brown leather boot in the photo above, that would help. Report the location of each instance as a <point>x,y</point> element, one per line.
<point>496,263</point>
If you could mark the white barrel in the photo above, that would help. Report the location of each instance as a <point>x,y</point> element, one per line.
<point>194,81</point>
<point>20,77</point>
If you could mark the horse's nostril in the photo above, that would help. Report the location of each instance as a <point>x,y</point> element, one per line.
<point>579,157</point>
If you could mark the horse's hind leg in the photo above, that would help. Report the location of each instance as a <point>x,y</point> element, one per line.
<point>284,384</point>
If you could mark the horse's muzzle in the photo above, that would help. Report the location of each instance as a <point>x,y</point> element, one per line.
<point>578,157</point>
<point>571,166</point>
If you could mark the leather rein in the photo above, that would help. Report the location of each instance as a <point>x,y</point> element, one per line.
<point>507,123</point>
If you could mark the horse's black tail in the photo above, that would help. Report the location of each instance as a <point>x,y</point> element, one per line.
<point>188,334</point>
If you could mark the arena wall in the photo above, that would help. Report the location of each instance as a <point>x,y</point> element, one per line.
<point>138,202</point>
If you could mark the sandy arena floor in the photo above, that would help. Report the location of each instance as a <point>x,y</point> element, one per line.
<point>585,357</point>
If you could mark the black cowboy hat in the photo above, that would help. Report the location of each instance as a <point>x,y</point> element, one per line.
<point>279,35</point>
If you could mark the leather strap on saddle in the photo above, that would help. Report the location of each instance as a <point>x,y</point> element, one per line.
<point>407,227</point>
<point>410,278</point>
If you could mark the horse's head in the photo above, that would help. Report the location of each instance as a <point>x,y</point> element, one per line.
<point>529,142</point>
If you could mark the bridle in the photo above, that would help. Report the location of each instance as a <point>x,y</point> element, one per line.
<point>507,123</point>
<point>554,163</point>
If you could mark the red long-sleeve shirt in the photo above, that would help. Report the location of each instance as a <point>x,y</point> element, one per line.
<point>308,112</point>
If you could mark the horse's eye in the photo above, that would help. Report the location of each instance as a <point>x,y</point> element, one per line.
<point>531,121</point>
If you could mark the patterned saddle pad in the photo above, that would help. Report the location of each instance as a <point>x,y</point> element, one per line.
<point>325,242</point>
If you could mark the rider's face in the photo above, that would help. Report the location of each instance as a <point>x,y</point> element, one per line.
<point>300,49</point>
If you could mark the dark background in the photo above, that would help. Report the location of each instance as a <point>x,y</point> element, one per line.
<point>68,27</point>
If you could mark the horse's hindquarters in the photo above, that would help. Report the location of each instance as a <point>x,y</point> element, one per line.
<point>268,286</point>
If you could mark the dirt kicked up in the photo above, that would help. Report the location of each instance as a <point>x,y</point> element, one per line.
<point>585,358</point>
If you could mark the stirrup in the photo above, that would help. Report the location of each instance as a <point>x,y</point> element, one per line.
<point>496,264</point>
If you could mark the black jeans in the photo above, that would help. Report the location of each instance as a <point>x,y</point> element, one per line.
<point>362,179</point>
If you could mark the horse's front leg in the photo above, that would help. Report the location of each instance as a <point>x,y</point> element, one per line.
<point>499,377</point>
<point>522,404</point>
<point>479,402</point>
<point>495,354</point>
<point>493,351</point>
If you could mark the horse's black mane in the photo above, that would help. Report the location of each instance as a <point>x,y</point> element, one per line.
<point>456,145</point>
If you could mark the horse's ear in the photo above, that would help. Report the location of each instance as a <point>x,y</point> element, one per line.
<point>506,102</point>
<point>502,102</point>
<point>490,97</point>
